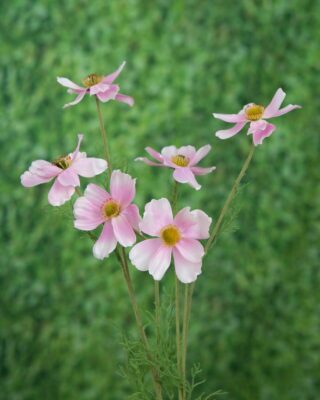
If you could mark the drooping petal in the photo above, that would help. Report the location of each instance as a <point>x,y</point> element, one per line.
<point>202,171</point>
<point>142,254</point>
<point>30,180</point>
<point>88,216</point>
<point>96,194</point>
<point>232,118</point>
<point>111,77</point>
<point>260,134</point>
<point>69,178</point>
<point>185,175</point>
<point>109,94</point>
<point>160,262</point>
<point>228,133</point>
<point>148,162</point>
<point>193,224</point>
<point>106,242</point>
<point>153,153</point>
<point>77,99</point>
<point>190,249</point>
<point>123,231</point>
<point>123,98</point>
<point>69,84</point>
<point>274,104</point>
<point>59,194</point>
<point>133,216</point>
<point>157,214</point>
<point>122,188</point>
<point>186,271</point>
<point>200,154</point>
<point>98,88</point>
<point>89,167</point>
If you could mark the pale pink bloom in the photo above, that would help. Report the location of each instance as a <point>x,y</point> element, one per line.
<point>183,160</point>
<point>256,115</point>
<point>97,85</point>
<point>178,236</point>
<point>113,210</point>
<point>66,170</point>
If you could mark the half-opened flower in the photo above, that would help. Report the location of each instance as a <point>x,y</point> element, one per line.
<point>65,171</point>
<point>256,116</point>
<point>183,160</point>
<point>113,210</point>
<point>97,85</point>
<point>175,236</point>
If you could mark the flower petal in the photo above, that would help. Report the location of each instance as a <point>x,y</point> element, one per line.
<point>160,262</point>
<point>231,117</point>
<point>260,134</point>
<point>111,77</point>
<point>122,188</point>
<point>274,104</point>
<point>77,99</point>
<point>168,152</point>
<point>186,271</point>
<point>96,194</point>
<point>106,242</point>
<point>76,151</point>
<point>187,151</point>
<point>202,171</point>
<point>190,249</point>
<point>69,84</point>
<point>98,88</point>
<point>193,224</point>
<point>69,177</point>
<point>89,167</point>
<point>185,175</point>
<point>142,254</point>
<point>87,215</point>
<point>200,154</point>
<point>148,162</point>
<point>44,169</point>
<point>59,194</point>
<point>157,214</point>
<point>133,216</point>
<point>123,98</point>
<point>109,94</point>
<point>123,231</point>
<point>285,110</point>
<point>30,180</point>
<point>153,153</point>
<point>228,133</point>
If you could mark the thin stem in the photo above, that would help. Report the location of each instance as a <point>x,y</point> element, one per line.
<point>186,318</point>
<point>174,196</point>
<point>178,337</point>
<point>122,257</point>
<point>157,308</point>
<point>104,136</point>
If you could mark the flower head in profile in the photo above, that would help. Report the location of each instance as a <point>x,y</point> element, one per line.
<point>183,160</point>
<point>256,116</point>
<point>113,210</point>
<point>97,85</point>
<point>65,171</point>
<point>175,236</point>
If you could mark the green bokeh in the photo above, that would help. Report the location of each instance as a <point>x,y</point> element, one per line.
<point>256,312</point>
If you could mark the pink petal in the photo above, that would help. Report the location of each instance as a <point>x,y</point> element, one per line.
<point>69,84</point>
<point>200,154</point>
<point>122,188</point>
<point>123,231</point>
<point>202,171</point>
<point>157,215</point>
<point>29,180</point>
<point>89,167</point>
<point>227,133</point>
<point>148,162</point>
<point>106,242</point>
<point>59,194</point>
<point>99,88</point>
<point>111,77</point>
<point>274,105</point>
<point>259,135</point>
<point>168,152</point>
<point>123,98</point>
<point>77,99</point>
<point>190,249</point>
<point>285,110</point>
<point>76,151</point>
<point>142,254</point>
<point>185,175</point>
<point>186,271</point>
<point>187,151</point>
<point>160,262</point>
<point>87,215</point>
<point>44,169</point>
<point>109,94</point>
<point>193,224</point>
<point>69,177</point>
<point>154,154</point>
<point>233,118</point>
<point>96,195</point>
<point>133,216</point>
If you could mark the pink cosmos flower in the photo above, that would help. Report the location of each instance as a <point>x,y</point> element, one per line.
<point>66,170</point>
<point>113,210</point>
<point>176,236</point>
<point>255,114</point>
<point>183,160</point>
<point>97,85</point>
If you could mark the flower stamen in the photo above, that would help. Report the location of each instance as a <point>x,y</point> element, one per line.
<point>91,80</point>
<point>62,162</point>
<point>170,235</point>
<point>254,112</point>
<point>180,160</point>
<point>110,209</point>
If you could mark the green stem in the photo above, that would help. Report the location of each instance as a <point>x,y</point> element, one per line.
<point>157,308</point>
<point>186,318</point>
<point>104,136</point>
<point>178,338</point>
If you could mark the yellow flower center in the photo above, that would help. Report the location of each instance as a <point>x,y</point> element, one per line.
<point>254,112</point>
<point>170,235</point>
<point>110,209</point>
<point>180,160</point>
<point>92,80</point>
<point>62,162</point>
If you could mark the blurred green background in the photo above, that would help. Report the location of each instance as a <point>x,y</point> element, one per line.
<point>256,312</point>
